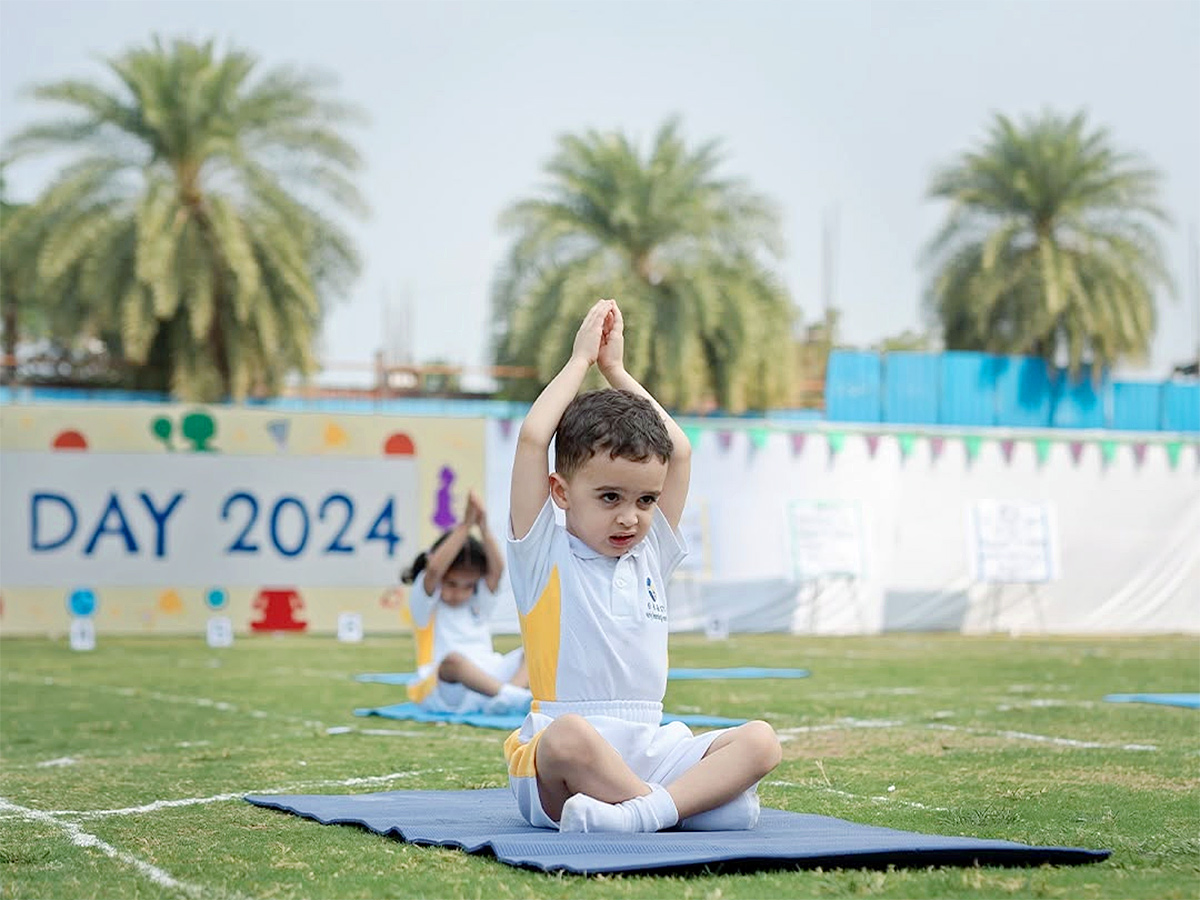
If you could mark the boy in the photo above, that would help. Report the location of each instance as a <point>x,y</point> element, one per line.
<point>593,755</point>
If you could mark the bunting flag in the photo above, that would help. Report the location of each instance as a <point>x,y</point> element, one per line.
<point>693,433</point>
<point>1108,451</point>
<point>835,439</point>
<point>1077,448</point>
<point>725,439</point>
<point>758,437</point>
<point>1139,453</point>
<point>936,446</point>
<point>278,429</point>
<point>872,444</point>
<point>1041,447</point>
<point>1007,446</point>
<point>972,443</point>
<point>798,442</point>
<point>906,442</point>
<point>506,426</point>
<point>1173,448</point>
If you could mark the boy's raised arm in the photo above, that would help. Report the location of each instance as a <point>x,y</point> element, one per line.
<point>679,473</point>
<point>531,466</point>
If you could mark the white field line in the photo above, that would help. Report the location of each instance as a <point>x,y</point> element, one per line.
<point>81,838</point>
<point>156,805</point>
<point>139,694</point>
<point>788,734</point>
<point>882,798</point>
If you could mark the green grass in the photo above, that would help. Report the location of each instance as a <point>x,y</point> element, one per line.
<point>988,737</point>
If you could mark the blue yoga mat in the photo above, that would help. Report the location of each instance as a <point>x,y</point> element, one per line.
<point>487,821</point>
<point>673,674</point>
<point>412,712</point>
<point>1191,701</point>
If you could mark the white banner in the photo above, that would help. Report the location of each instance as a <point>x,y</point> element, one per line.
<point>827,538</point>
<point>201,519</point>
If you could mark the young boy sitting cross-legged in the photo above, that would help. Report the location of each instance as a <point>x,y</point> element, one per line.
<point>593,754</point>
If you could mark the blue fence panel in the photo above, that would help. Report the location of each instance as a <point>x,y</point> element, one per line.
<point>910,387</point>
<point>1079,402</point>
<point>1024,392</point>
<point>853,386</point>
<point>1137,406</point>
<point>1181,407</point>
<point>968,389</point>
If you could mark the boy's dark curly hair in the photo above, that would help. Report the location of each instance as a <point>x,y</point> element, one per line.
<point>623,423</point>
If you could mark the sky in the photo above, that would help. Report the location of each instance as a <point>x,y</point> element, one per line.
<point>838,111</point>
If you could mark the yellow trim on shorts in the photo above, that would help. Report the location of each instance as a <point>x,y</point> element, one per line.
<point>522,758</point>
<point>423,635</point>
<point>419,690</point>
<point>540,634</point>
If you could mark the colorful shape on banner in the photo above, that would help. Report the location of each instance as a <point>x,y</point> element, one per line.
<point>216,598</point>
<point>279,429</point>
<point>169,602</point>
<point>1108,451</point>
<point>1007,447</point>
<point>1173,448</point>
<point>693,433</point>
<point>218,631</point>
<point>161,428</point>
<point>400,444</point>
<point>1139,453</point>
<point>83,633</point>
<point>392,598</point>
<point>798,438</point>
<point>278,608</point>
<point>82,602</point>
<point>335,435</point>
<point>506,427</point>
<point>69,440</point>
<point>906,442</point>
<point>972,443</point>
<point>1077,448</point>
<point>872,444</point>
<point>443,509</point>
<point>936,446</point>
<point>199,428</point>
<point>1041,447</point>
<point>836,440</point>
<point>724,439</point>
<point>758,437</point>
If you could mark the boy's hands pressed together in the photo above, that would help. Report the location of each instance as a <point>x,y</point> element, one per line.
<point>590,337</point>
<point>611,358</point>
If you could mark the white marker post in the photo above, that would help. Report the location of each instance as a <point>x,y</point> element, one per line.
<point>219,631</point>
<point>83,633</point>
<point>350,627</point>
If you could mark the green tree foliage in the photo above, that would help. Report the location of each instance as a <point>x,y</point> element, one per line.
<point>685,251</point>
<point>190,229</point>
<point>1050,245</point>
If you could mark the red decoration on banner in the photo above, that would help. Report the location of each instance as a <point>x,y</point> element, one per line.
<point>1139,453</point>
<point>872,444</point>
<point>278,608</point>
<point>798,442</point>
<point>399,444</point>
<point>1077,448</point>
<point>936,446</point>
<point>70,440</point>
<point>1007,447</point>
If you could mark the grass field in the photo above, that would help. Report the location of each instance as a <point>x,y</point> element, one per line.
<point>123,768</point>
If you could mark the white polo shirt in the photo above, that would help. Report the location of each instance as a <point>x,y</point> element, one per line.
<point>440,629</point>
<point>594,627</point>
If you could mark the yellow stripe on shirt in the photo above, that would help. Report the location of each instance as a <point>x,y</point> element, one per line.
<point>540,634</point>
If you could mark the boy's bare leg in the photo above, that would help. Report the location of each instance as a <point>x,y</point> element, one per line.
<point>457,669</point>
<point>572,758</point>
<point>735,761</point>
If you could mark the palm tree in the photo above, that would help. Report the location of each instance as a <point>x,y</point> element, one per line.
<point>190,230</point>
<point>1049,245</point>
<point>685,252</point>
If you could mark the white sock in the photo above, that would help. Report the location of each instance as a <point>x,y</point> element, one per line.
<point>650,812</point>
<point>509,698</point>
<point>739,814</point>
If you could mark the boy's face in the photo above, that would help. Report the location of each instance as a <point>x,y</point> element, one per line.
<point>609,503</point>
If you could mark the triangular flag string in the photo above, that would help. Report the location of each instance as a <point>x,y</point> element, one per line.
<point>972,443</point>
<point>1139,453</point>
<point>1173,448</point>
<point>1077,448</point>
<point>1108,451</point>
<point>872,444</point>
<point>758,437</point>
<point>693,433</point>
<point>725,439</point>
<point>798,442</point>
<point>1007,446</point>
<point>936,446</point>
<point>835,439</point>
<point>906,442</point>
<point>1041,447</point>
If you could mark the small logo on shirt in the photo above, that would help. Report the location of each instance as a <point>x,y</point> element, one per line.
<point>654,609</point>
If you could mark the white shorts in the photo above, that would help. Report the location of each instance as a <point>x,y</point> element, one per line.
<point>451,697</point>
<point>655,752</point>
